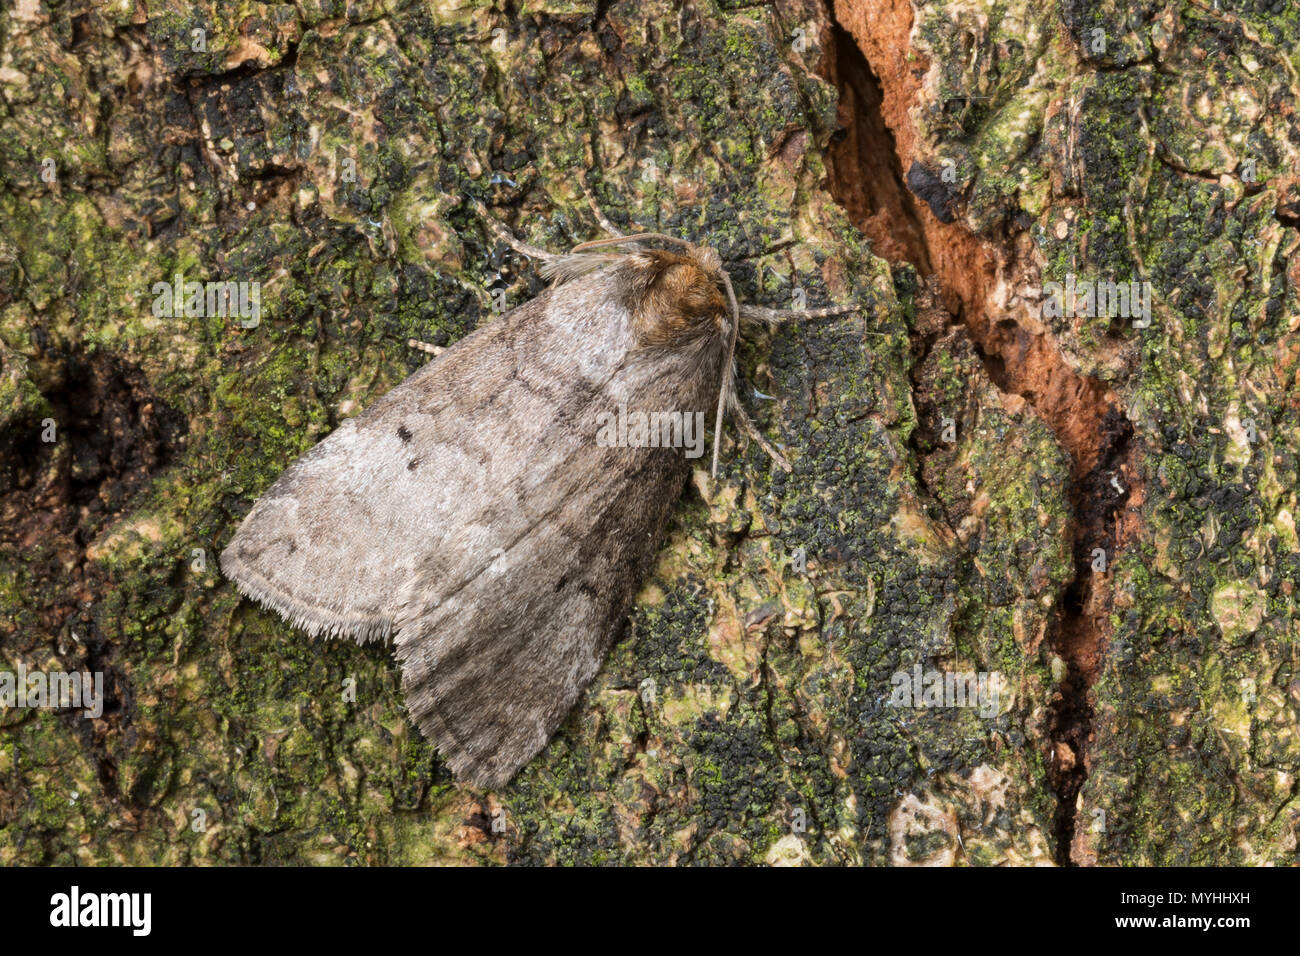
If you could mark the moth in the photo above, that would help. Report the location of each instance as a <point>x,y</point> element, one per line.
<point>474,515</point>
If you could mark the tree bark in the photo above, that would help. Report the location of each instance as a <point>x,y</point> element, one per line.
<point>1092,515</point>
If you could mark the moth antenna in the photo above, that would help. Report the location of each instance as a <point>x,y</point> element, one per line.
<point>635,237</point>
<point>728,368</point>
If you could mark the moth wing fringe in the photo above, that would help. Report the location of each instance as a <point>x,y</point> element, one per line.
<point>464,764</point>
<point>316,621</point>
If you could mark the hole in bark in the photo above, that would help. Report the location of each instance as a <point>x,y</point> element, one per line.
<point>110,436</point>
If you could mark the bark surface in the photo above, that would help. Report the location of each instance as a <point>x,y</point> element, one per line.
<point>961,454</point>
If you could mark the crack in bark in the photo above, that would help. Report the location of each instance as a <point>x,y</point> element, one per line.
<point>866,166</point>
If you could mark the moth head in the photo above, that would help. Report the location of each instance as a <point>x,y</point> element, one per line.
<point>708,260</point>
<point>674,299</point>
<point>681,296</point>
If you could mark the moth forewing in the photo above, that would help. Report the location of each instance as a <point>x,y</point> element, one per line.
<point>471,512</point>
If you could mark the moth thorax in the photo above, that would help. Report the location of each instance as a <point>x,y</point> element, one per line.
<point>681,304</point>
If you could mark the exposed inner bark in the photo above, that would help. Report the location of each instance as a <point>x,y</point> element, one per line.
<point>867,60</point>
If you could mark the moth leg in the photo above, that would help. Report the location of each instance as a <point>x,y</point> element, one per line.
<point>425,347</point>
<point>601,218</point>
<point>746,425</point>
<point>504,234</point>
<point>758,313</point>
